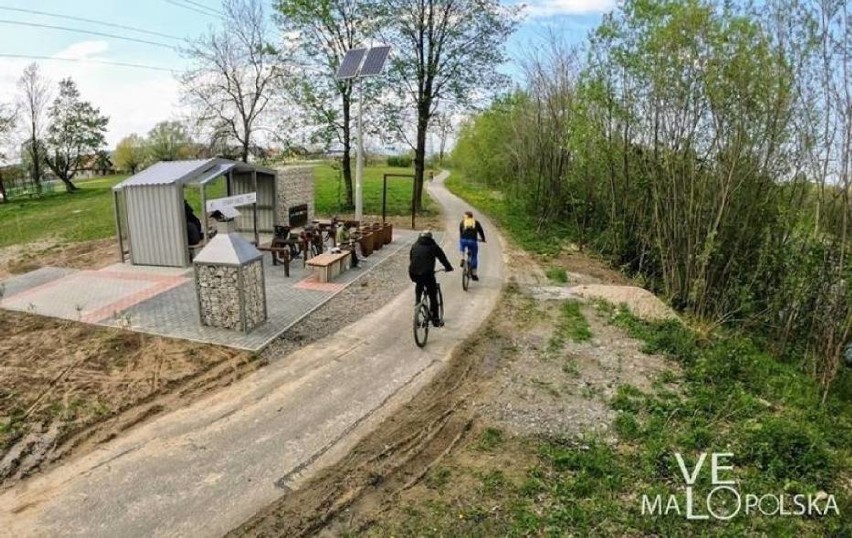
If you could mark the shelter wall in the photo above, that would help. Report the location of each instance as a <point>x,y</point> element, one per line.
<point>156,225</point>
<point>295,187</point>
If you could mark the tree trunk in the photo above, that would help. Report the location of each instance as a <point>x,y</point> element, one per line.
<point>69,186</point>
<point>420,160</point>
<point>347,151</point>
<point>244,151</point>
<point>2,190</point>
<point>36,171</point>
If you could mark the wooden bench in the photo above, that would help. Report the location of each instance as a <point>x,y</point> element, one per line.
<point>330,265</point>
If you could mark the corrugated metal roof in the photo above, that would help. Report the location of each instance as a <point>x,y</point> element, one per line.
<point>167,173</point>
<point>197,171</point>
<point>227,249</point>
<point>213,173</point>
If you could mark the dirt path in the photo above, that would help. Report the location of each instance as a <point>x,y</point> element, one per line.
<point>512,379</point>
<point>206,468</point>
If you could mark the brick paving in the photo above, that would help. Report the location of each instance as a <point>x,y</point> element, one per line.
<point>163,301</point>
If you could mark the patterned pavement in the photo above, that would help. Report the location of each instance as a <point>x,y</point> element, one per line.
<point>162,301</point>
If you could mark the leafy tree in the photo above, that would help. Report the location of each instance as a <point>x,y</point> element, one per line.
<point>77,130</point>
<point>130,153</point>
<point>443,128</point>
<point>323,31</point>
<point>34,97</point>
<point>168,141</point>
<point>444,51</point>
<point>102,162</point>
<point>236,73</point>
<point>7,124</point>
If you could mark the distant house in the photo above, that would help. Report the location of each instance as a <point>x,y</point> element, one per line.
<point>95,165</point>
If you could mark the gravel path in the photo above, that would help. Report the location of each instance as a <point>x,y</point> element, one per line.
<point>367,294</point>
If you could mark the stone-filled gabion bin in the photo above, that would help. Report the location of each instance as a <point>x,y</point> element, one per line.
<point>230,284</point>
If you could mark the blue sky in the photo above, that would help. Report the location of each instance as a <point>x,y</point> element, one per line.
<point>136,99</point>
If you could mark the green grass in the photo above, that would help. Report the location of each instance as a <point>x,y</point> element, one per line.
<point>331,193</point>
<point>571,325</point>
<point>85,215</point>
<point>521,224</point>
<point>557,274</point>
<point>733,397</point>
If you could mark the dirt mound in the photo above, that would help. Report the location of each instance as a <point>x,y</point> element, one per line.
<point>642,303</point>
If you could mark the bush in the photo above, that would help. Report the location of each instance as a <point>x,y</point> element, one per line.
<point>401,161</point>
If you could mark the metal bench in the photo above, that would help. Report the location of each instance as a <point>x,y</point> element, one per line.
<point>330,265</point>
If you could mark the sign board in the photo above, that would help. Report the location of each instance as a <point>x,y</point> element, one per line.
<point>231,201</point>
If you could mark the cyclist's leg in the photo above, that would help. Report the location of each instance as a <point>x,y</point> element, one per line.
<point>474,258</point>
<point>432,290</point>
<point>474,254</point>
<point>461,249</point>
<point>418,290</point>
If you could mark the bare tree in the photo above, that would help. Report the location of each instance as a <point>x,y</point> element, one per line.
<point>444,128</point>
<point>34,98</point>
<point>7,124</point>
<point>236,73</point>
<point>445,51</point>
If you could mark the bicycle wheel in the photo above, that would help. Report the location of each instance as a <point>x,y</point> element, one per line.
<point>466,274</point>
<point>440,304</point>
<point>421,324</point>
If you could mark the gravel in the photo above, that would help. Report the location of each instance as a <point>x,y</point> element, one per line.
<point>370,292</point>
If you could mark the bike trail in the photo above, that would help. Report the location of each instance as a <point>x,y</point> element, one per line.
<point>205,469</point>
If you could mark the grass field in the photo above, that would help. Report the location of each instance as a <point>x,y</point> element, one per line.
<point>331,193</point>
<point>84,215</point>
<point>88,213</point>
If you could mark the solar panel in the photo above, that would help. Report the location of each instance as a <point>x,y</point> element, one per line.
<point>350,64</point>
<point>375,61</point>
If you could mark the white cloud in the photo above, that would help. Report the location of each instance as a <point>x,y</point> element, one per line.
<point>550,8</point>
<point>83,50</point>
<point>134,99</point>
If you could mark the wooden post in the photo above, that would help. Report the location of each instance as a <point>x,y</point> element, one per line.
<point>384,198</point>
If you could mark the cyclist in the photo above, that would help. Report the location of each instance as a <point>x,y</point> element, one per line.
<point>421,270</point>
<point>469,230</point>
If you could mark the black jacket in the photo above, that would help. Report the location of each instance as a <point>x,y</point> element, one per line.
<point>471,233</point>
<point>423,255</point>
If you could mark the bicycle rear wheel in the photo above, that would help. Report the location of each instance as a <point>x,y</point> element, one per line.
<point>421,324</point>
<point>440,304</point>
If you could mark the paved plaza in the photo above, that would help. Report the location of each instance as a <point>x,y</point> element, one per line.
<point>162,300</point>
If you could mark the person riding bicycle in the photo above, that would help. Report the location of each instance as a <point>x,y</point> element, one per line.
<point>421,270</point>
<point>469,230</point>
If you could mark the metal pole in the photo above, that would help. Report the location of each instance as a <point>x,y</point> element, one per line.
<point>205,232</point>
<point>359,161</point>
<point>384,198</point>
<point>118,225</point>
<point>254,207</point>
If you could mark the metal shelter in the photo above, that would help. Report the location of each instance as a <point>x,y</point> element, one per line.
<point>149,207</point>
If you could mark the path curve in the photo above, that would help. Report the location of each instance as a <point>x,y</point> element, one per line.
<point>205,469</point>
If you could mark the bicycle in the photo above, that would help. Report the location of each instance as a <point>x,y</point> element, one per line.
<point>423,315</point>
<point>467,272</point>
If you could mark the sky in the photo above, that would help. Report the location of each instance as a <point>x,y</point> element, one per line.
<point>136,98</point>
